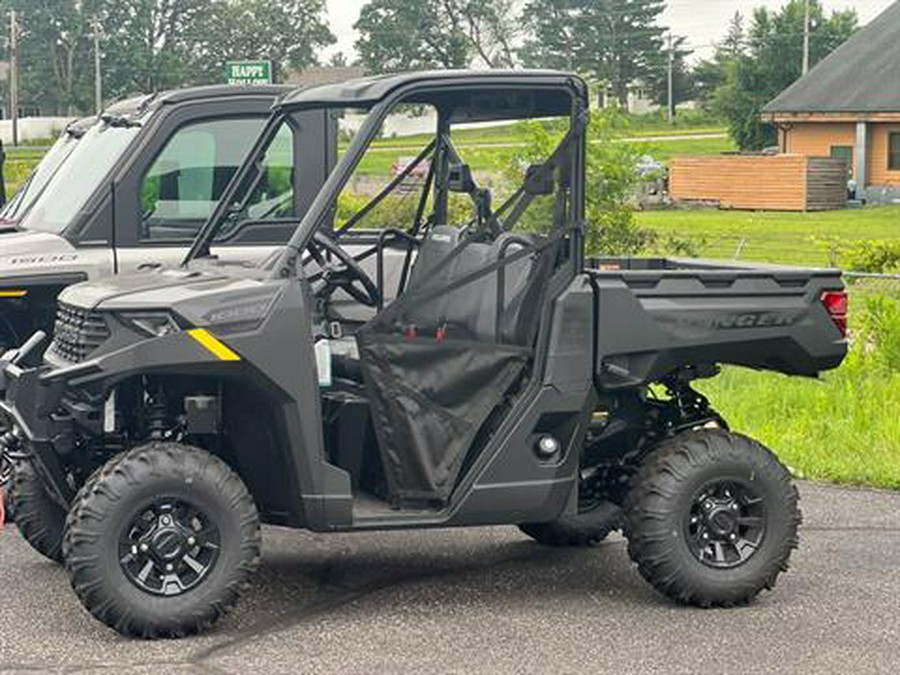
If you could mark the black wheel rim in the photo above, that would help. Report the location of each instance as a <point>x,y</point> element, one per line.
<point>168,547</point>
<point>726,524</point>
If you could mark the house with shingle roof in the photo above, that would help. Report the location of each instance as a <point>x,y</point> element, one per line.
<point>848,107</point>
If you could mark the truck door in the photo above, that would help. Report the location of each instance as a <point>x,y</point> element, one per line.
<point>172,189</point>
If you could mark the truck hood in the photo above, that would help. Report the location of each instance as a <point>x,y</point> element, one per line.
<point>16,242</point>
<point>26,253</point>
<point>191,293</point>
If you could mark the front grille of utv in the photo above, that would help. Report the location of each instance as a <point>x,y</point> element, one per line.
<point>77,333</point>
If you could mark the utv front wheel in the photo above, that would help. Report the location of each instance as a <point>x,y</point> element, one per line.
<point>712,518</point>
<point>162,543</point>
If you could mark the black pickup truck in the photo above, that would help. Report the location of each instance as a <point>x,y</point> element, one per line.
<point>466,365</point>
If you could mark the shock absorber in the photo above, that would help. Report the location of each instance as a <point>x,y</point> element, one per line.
<point>156,414</point>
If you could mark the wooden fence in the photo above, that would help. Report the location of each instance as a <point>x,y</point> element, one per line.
<point>760,182</point>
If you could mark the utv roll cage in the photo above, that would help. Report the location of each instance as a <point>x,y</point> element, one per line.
<point>458,97</point>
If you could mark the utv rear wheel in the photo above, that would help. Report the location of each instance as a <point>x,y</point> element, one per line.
<point>163,543</point>
<point>591,525</point>
<point>40,519</point>
<point>712,518</point>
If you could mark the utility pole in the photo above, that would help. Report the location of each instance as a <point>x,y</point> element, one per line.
<point>671,79</point>
<point>14,76</point>
<point>806,39</point>
<point>98,76</point>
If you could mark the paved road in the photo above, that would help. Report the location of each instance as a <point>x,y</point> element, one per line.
<point>489,601</point>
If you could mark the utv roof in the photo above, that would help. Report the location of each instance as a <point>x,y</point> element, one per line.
<point>455,90</point>
<point>138,105</point>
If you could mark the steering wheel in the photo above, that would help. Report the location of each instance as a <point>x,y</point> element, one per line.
<point>344,273</point>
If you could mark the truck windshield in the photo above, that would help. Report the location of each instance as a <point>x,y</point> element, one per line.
<point>16,208</point>
<point>73,183</point>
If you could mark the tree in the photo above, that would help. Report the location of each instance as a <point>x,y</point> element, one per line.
<point>289,33</point>
<point>610,41</point>
<point>682,80</point>
<point>708,75</point>
<point>54,53</point>
<point>150,45</point>
<point>397,35</point>
<point>772,62</point>
<point>732,45</point>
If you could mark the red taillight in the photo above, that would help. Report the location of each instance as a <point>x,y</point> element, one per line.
<point>837,305</point>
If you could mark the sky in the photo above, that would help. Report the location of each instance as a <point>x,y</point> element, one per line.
<point>702,22</point>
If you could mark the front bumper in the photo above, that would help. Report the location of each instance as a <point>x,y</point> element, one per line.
<point>49,406</point>
<point>25,409</point>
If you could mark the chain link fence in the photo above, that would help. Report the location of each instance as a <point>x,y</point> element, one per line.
<point>861,284</point>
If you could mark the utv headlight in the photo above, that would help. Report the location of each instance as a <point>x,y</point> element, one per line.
<point>151,324</point>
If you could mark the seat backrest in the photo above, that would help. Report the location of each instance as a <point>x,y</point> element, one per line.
<point>438,244</point>
<point>470,312</point>
<point>523,280</point>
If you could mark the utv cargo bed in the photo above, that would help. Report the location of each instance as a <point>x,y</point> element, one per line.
<point>656,313</point>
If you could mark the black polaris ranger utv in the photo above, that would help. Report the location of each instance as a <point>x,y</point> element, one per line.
<point>480,372</point>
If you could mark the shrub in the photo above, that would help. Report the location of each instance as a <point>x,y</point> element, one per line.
<point>611,178</point>
<point>878,333</point>
<point>878,257</point>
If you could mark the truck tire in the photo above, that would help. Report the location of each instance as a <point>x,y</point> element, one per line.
<point>41,521</point>
<point>163,542</point>
<point>585,528</point>
<point>711,518</point>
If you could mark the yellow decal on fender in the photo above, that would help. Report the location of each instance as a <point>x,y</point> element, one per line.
<point>13,294</point>
<point>213,344</point>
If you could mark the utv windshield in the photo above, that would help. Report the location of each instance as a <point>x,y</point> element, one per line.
<point>75,181</point>
<point>31,190</point>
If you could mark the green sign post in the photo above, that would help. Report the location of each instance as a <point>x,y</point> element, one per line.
<point>248,72</point>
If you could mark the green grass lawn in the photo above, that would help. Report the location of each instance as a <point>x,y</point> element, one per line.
<point>512,133</point>
<point>796,238</point>
<point>843,428</point>
<point>663,151</point>
<point>491,149</point>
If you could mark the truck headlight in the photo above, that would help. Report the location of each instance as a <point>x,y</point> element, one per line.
<point>151,324</point>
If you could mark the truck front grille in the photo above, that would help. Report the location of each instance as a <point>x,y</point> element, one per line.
<point>78,333</point>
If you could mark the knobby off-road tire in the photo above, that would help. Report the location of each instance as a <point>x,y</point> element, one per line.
<point>41,521</point>
<point>202,536</point>
<point>677,518</point>
<point>583,529</point>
